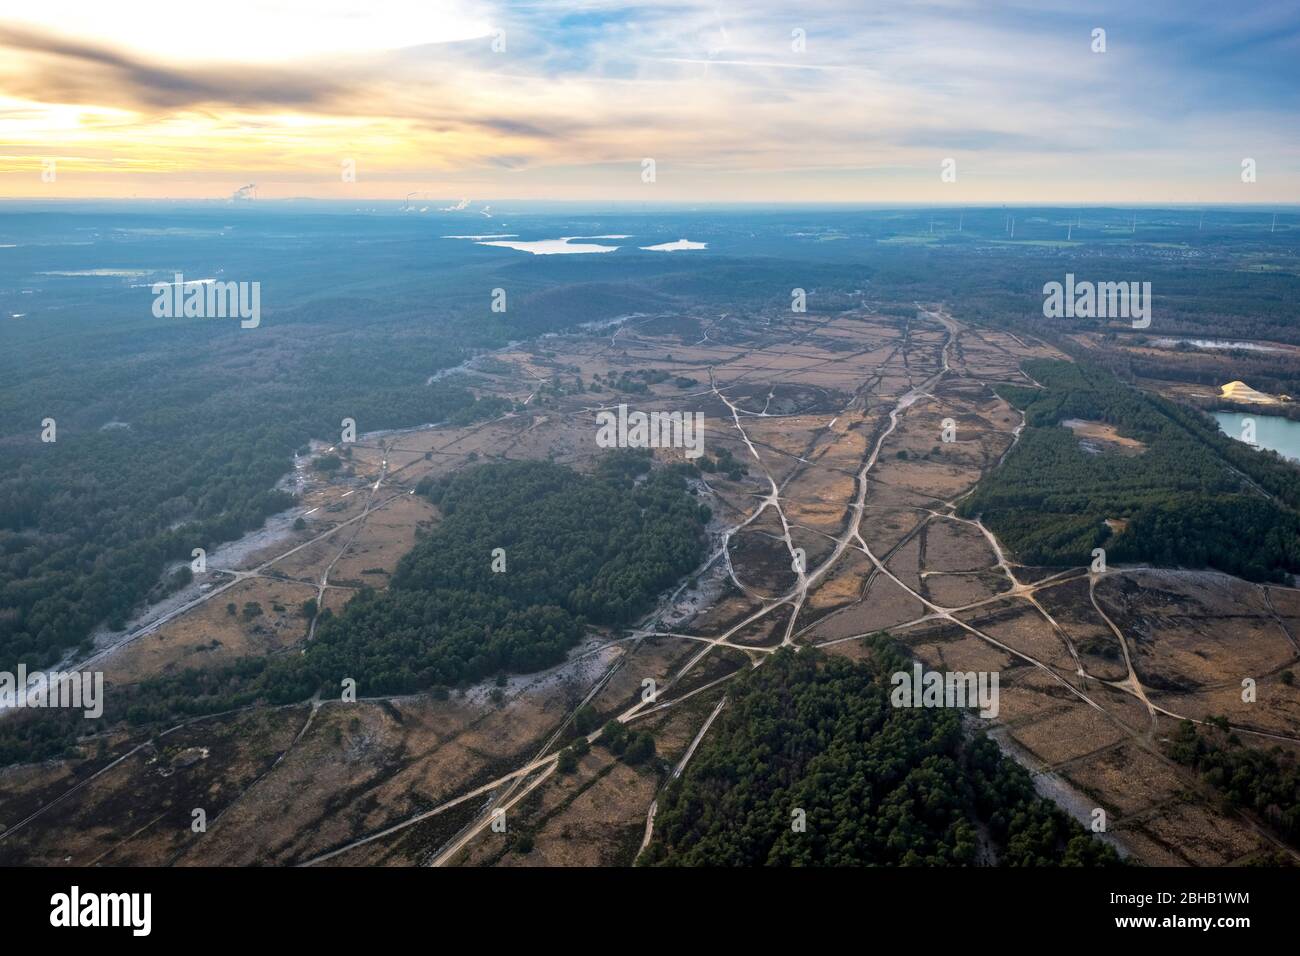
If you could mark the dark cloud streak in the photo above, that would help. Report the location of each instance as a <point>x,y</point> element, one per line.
<point>58,69</point>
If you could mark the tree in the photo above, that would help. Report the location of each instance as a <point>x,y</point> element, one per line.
<point>819,734</point>
<point>640,748</point>
<point>586,719</point>
<point>613,737</point>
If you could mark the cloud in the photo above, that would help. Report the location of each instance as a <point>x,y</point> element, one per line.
<point>55,69</point>
<point>721,96</point>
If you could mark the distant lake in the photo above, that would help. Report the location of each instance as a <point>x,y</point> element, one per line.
<point>1271,431</point>
<point>568,245</point>
<point>677,246</point>
<point>562,246</point>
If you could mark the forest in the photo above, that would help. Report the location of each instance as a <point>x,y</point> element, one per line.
<point>89,522</point>
<point>173,436</point>
<point>576,550</point>
<point>810,765</point>
<point>1192,498</point>
<point>1265,781</point>
<point>1274,372</point>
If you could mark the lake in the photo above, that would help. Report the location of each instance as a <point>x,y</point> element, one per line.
<point>1271,431</point>
<point>562,246</point>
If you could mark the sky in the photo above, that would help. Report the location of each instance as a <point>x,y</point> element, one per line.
<point>442,101</point>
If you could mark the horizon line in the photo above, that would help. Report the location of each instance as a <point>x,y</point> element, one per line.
<point>803,204</point>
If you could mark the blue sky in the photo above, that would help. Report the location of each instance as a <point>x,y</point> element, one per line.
<point>565,100</point>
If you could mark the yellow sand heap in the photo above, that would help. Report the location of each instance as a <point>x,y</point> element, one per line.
<point>1241,392</point>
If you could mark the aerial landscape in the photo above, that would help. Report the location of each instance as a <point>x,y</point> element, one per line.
<point>803,512</point>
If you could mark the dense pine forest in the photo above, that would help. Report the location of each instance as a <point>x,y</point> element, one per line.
<point>578,550</point>
<point>877,785</point>
<point>175,439</point>
<point>172,434</point>
<point>574,549</point>
<point>1192,498</point>
<point>93,518</point>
